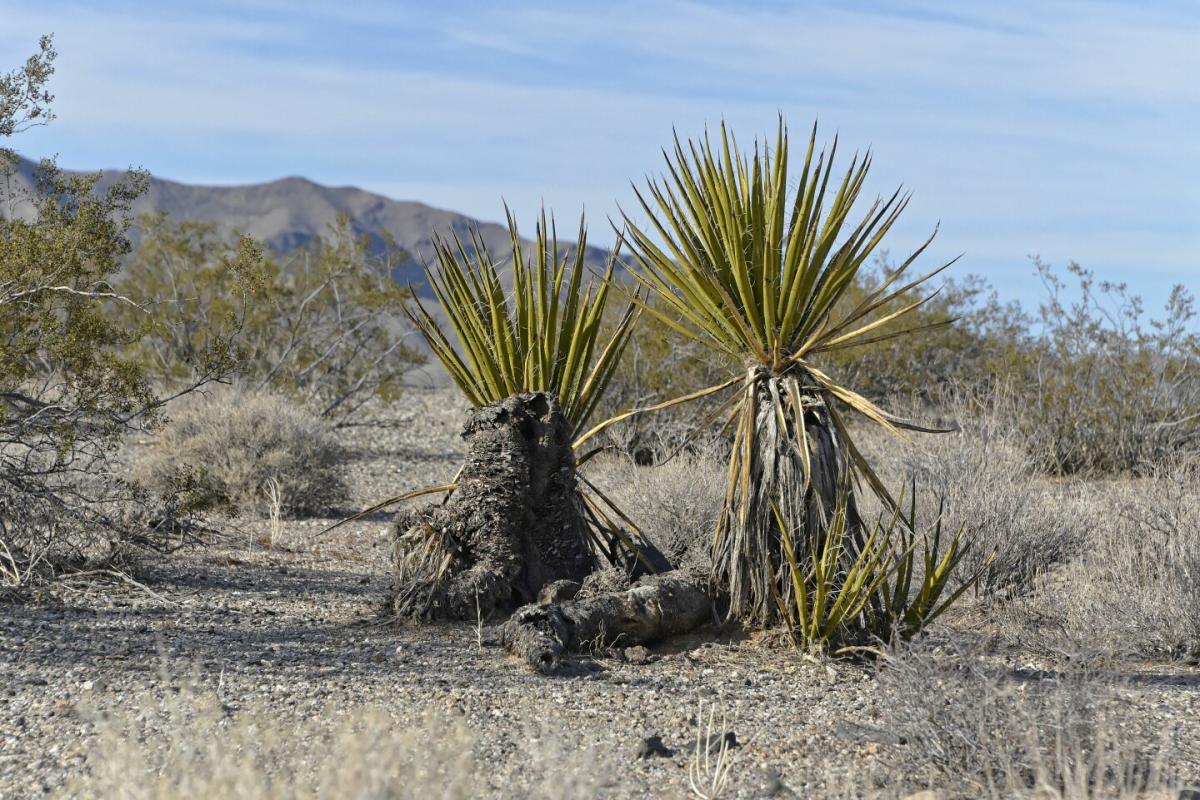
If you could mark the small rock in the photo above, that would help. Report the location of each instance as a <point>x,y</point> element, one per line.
<point>715,741</point>
<point>558,592</point>
<point>637,655</point>
<point>924,794</point>
<point>653,746</point>
<point>773,785</point>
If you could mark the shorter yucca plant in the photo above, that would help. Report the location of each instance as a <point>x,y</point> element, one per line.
<point>848,590</point>
<point>546,334</point>
<point>550,337</point>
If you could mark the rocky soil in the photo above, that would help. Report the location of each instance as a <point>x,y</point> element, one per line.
<point>293,633</point>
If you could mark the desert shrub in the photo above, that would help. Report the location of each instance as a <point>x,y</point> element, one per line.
<point>233,449</point>
<point>1109,389</point>
<point>68,390</point>
<point>1095,384</point>
<point>987,485</point>
<point>325,325</point>
<point>952,717</point>
<point>1135,588</point>
<point>967,336</point>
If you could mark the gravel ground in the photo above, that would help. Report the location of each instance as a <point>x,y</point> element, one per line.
<point>290,632</point>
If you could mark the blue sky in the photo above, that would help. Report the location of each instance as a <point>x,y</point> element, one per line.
<point>1064,129</point>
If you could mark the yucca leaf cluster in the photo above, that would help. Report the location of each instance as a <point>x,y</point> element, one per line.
<point>888,585</point>
<point>547,335</point>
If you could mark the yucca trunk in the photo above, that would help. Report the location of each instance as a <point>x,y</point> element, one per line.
<point>514,523</point>
<point>788,463</point>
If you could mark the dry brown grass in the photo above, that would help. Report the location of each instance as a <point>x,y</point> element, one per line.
<point>674,503</point>
<point>956,718</point>
<point>1089,575</point>
<point>1134,589</point>
<point>193,746</point>
<point>990,489</point>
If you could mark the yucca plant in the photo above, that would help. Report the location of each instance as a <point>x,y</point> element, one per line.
<point>755,269</point>
<point>545,335</point>
<point>916,592</point>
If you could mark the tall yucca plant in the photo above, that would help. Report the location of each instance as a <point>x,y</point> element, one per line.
<point>757,270</point>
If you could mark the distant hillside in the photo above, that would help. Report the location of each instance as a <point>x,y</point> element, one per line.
<point>287,213</point>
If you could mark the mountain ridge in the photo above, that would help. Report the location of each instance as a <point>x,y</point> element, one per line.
<point>287,213</point>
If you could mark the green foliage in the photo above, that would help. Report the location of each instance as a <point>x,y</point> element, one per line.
<point>967,335</point>
<point>1097,385</point>
<point>68,389</point>
<point>323,326</point>
<point>548,339</point>
<point>57,262</point>
<point>759,274</point>
<point>844,591</point>
<point>24,98</point>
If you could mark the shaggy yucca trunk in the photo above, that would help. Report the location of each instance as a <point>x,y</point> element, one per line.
<point>514,523</point>
<point>788,464</point>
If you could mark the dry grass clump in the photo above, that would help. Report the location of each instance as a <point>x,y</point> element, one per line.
<point>203,751</point>
<point>674,503</point>
<point>232,450</point>
<point>957,720</point>
<point>194,746</point>
<point>987,485</point>
<point>991,490</point>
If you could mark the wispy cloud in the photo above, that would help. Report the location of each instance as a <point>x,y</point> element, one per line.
<point>1059,128</point>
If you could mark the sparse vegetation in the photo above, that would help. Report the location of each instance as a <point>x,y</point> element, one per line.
<point>954,717</point>
<point>546,337</point>
<point>240,451</point>
<point>325,324</point>
<point>1062,568</point>
<point>68,390</point>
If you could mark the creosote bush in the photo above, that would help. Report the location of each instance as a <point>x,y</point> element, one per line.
<point>230,449</point>
<point>324,324</point>
<point>69,391</point>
